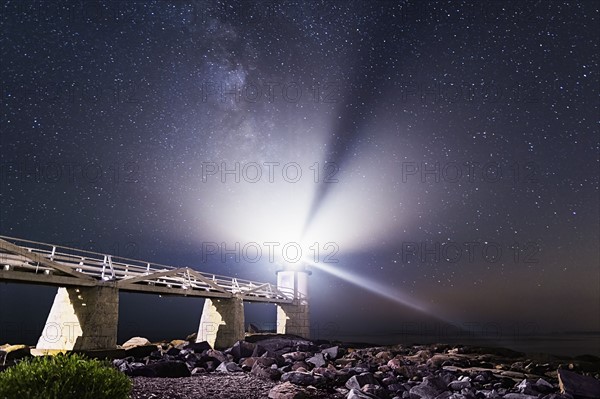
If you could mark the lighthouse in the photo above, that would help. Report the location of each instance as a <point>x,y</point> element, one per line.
<point>293,318</point>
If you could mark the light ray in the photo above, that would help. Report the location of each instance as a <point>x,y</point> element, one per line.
<point>372,286</point>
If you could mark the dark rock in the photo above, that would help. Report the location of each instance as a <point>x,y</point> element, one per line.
<point>268,373</point>
<point>229,367</point>
<point>198,347</point>
<point>428,389</point>
<point>395,363</point>
<point>436,361</point>
<point>513,374</point>
<point>169,369</point>
<point>138,370</point>
<point>218,355</point>
<point>211,365</point>
<point>358,381</point>
<point>385,356</point>
<point>396,388</point>
<point>173,352</point>
<point>484,376</point>
<point>296,356</point>
<point>317,360</point>
<point>266,361</point>
<point>459,385</point>
<point>122,365</point>
<point>331,353</point>
<point>543,386</point>
<point>17,352</point>
<point>487,394</point>
<point>242,349</point>
<point>258,351</point>
<point>389,380</point>
<point>287,391</point>
<point>577,385</point>
<point>329,373</point>
<point>192,364</point>
<point>375,390</point>
<point>247,363</point>
<point>282,344</point>
<point>527,388</point>
<point>298,378</point>
<point>300,366</point>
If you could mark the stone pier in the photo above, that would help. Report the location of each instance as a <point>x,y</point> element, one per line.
<point>83,318</point>
<point>293,318</point>
<point>222,322</point>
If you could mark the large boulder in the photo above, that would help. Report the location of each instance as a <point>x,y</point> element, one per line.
<point>216,354</point>
<point>135,342</point>
<point>284,344</point>
<point>242,349</point>
<point>198,347</point>
<point>577,385</point>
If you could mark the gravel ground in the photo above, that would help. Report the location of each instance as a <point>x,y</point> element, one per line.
<point>213,386</point>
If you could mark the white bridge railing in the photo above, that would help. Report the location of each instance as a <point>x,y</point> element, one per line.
<point>130,274</point>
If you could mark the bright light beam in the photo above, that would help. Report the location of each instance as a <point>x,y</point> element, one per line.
<point>372,286</point>
<point>379,289</point>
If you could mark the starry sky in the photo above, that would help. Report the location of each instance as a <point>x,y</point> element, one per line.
<point>435,162</point>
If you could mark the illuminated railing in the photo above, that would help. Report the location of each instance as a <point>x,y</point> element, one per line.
<point>129,273</point>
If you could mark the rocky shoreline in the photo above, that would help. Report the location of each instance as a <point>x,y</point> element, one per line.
<point>289,367</point>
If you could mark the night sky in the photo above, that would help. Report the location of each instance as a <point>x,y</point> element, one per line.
<point>436,163</point>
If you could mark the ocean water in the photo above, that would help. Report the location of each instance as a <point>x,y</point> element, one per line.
<point>571,344</point>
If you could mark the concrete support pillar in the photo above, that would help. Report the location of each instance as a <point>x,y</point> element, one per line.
<point>83,318</point>
<point>222,322</point>
<point>293,318</point>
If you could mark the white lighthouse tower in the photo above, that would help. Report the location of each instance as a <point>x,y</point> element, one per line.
<point>293,318</point>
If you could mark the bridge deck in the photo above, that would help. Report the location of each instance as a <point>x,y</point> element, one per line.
<point>39,263</point>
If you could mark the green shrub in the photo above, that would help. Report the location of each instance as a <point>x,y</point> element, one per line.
<point>63,377</point>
